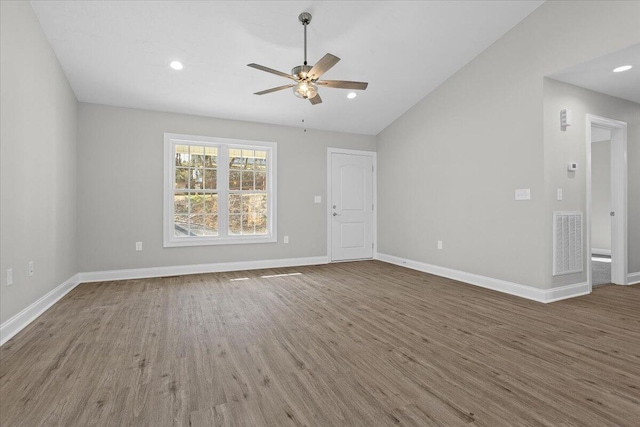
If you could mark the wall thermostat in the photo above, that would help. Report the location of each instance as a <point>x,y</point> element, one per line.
<point>572,167</point>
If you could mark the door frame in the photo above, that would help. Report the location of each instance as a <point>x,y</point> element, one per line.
<point>374,176</point>
<point>619,255</point>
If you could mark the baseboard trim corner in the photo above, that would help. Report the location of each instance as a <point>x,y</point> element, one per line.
<point>633,278</point>
<point>21,320</point>
<point>177,270</point>
<point>516,289</point>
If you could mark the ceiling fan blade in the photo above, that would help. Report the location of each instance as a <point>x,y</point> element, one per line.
<point>343,84</point>
<point>322,66</point>
<point>275,89</point>
<point>316,99</point>
<point>272,71</point>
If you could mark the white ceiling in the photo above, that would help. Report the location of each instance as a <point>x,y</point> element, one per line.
<point>117,53</point>
<point>598,75</point>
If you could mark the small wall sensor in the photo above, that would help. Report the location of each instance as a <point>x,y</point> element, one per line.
<point>566,119</point>
<point>572,167</point>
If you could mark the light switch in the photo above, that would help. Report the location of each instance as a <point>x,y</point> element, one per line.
<point>317,199</point>
<point>559,194</point>
<point>523,194</point>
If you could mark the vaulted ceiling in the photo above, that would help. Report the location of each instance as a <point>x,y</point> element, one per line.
<point>118,52</point>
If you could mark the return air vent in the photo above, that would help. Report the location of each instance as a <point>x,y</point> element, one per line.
<point>567,242</point>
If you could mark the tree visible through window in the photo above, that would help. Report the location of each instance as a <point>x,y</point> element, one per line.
<point>221,191</point>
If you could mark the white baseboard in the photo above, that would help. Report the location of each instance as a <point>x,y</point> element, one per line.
<point>18,322</point>
<point>598,251</point>
<point>177,270</point>
<point>633,278</point>
<point>528,292</point>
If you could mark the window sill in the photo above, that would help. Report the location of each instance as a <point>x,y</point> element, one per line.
<point>216,241</point>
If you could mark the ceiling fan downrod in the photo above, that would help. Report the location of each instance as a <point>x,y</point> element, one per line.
<point>305,18</point>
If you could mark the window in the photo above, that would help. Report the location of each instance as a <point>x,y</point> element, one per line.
<point>218,191</point>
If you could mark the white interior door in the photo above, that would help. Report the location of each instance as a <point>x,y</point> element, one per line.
<point>351,206</point>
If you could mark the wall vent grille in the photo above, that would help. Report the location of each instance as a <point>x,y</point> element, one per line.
<point>567,242</point>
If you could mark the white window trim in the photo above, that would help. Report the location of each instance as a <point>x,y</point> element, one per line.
<point>169,239</point>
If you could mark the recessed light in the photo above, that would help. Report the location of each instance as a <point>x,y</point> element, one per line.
<point>622,68</point>
<point>352,95</point>
<point>176,65</point>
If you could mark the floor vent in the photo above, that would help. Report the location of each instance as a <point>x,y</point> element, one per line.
<point>567,242</point>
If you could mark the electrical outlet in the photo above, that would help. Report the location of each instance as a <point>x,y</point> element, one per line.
<point>30,269</point>
<point>317,199</point>
<point>439,244</point>
<point>286,239</point>
<point>138,246</point>
<point>9,276</point>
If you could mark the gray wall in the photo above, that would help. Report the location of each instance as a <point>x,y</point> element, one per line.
<point>563,147</point>
<point>449,166</point>
<point>38,174</point>
<point>120,178</point>
<point>601,195</point>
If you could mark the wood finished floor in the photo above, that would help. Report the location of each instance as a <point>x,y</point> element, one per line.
<point>353,344</point>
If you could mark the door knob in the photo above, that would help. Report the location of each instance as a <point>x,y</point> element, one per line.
<point>335,214</point>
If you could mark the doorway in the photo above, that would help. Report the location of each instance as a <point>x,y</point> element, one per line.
<point>601,207</point>
<point>351,204</point>
<point>606,201</point>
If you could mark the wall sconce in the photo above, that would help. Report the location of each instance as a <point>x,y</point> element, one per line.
<point>566,119</point>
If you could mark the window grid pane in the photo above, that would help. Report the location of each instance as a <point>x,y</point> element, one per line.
<point>248,213</point>
<point>195,212</point>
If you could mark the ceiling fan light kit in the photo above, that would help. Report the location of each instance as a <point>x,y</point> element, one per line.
<point>307,77</point>
<point>305,90</point>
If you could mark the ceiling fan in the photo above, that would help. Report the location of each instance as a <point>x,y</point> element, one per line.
<point>306,77</point>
